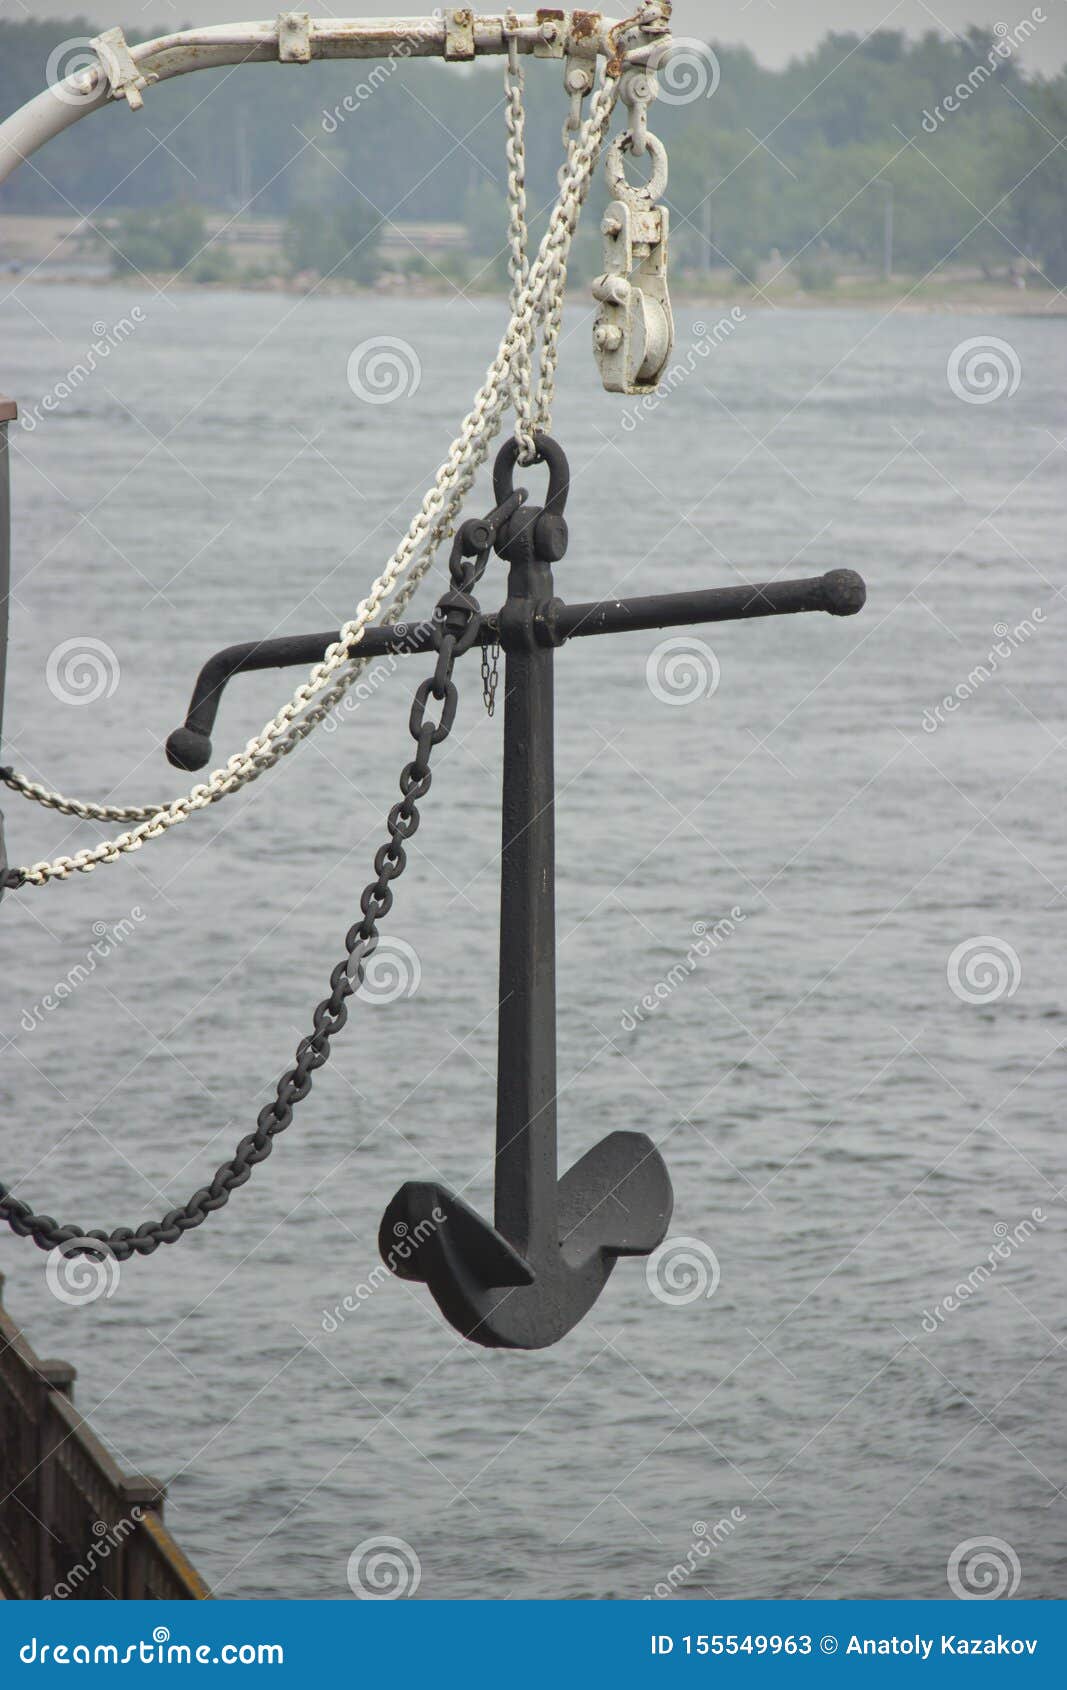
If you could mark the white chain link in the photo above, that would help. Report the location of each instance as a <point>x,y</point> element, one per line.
<point>518,241</point>
<point>540,295</point>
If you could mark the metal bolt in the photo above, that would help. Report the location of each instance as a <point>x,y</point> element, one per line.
<point>608,337</point>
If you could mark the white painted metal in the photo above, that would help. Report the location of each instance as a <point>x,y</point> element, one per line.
<point>579,35</point>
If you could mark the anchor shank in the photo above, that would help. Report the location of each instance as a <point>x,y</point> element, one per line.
<point>526,1172</point>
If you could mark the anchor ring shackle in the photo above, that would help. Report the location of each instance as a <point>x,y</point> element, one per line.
<point>545,525</point>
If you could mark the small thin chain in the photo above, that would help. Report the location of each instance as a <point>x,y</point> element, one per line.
<point>490,676</point>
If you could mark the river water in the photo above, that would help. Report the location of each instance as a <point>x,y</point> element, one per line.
<point>851,1138</point>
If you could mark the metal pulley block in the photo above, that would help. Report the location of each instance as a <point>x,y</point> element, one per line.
<point>634,333</point>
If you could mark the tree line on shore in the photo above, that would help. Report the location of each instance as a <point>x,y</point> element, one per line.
<point>794,166</point>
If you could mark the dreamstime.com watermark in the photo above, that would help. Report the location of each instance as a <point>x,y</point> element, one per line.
<point>157,1651</point>
<point>707,940</point>
<point>107,940</point>
<point>1008,641</point>
<point>384,1569</point>
<point>706,341</point>
<point>106,1540</point>
<point>406,1242</point>
<point>107,338</point>
<point>383,70</point>
<point>984,1569</point>
<point>1010,1239</point>
<point>706,1540</point>
<point>1009,41</point>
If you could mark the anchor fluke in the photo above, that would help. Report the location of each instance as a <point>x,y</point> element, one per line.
<point>616,1201</point>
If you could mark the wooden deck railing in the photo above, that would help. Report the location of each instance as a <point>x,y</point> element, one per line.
<point>72,1524</point>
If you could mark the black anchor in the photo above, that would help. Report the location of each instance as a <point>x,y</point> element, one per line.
<point>525,1281</point>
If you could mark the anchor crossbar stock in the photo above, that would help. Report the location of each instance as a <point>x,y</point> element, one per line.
<point>455,34</point>
<point>841,592</point>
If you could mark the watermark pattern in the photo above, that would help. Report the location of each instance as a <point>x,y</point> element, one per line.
<point>1008,641</point>
<point>1009,1240</point>
<point>1008,42</point>
<point>984,970</point>
<point>705,343</point>
<point>378,75</point>
<point>107,338</point>
<point>983,370</point>
<point>106,1540</point>
<point>686,70</point>
<point>392,971</point>
<point>406,1241</point>
<point>707,940</point>
<point>682,1271</point>
<point>706,1540</point>
<point>384,1569</point>
<point>682,671</point>
<point>72,66</point>
<point>984,1569</point>
<point>383,370</point>
<point>82,670</point>
<point>77,1279</point>
<point>106,941</point>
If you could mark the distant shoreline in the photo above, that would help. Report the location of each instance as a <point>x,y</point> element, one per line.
<point>922,298</point>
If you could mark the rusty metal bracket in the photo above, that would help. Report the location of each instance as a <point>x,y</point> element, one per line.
<point>124,78</point>
<point>459,35</point>
<point>553,26</point>
<point>294,38</point>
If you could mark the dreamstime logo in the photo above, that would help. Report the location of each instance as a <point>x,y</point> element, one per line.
<point>73,67</point>
<point>686,70</point>
<point>391,971</point>
<point>78,1279</point>
<point>984,1569</point>
<point>984,970</point>
<point>82,670</point>
<point>682,670</point>
<point>382,1569</point>
<point>384,369</point>
<point>682,1271</point>
<point>983,370</point>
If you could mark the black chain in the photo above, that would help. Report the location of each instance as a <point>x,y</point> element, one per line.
<point>459,621</point>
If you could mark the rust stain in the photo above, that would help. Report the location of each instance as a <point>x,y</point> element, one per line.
<point>584,25</point>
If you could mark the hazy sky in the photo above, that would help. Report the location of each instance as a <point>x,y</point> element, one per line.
<point>774,29</point>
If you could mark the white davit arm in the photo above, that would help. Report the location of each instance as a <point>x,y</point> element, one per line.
<point>122,72</point>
